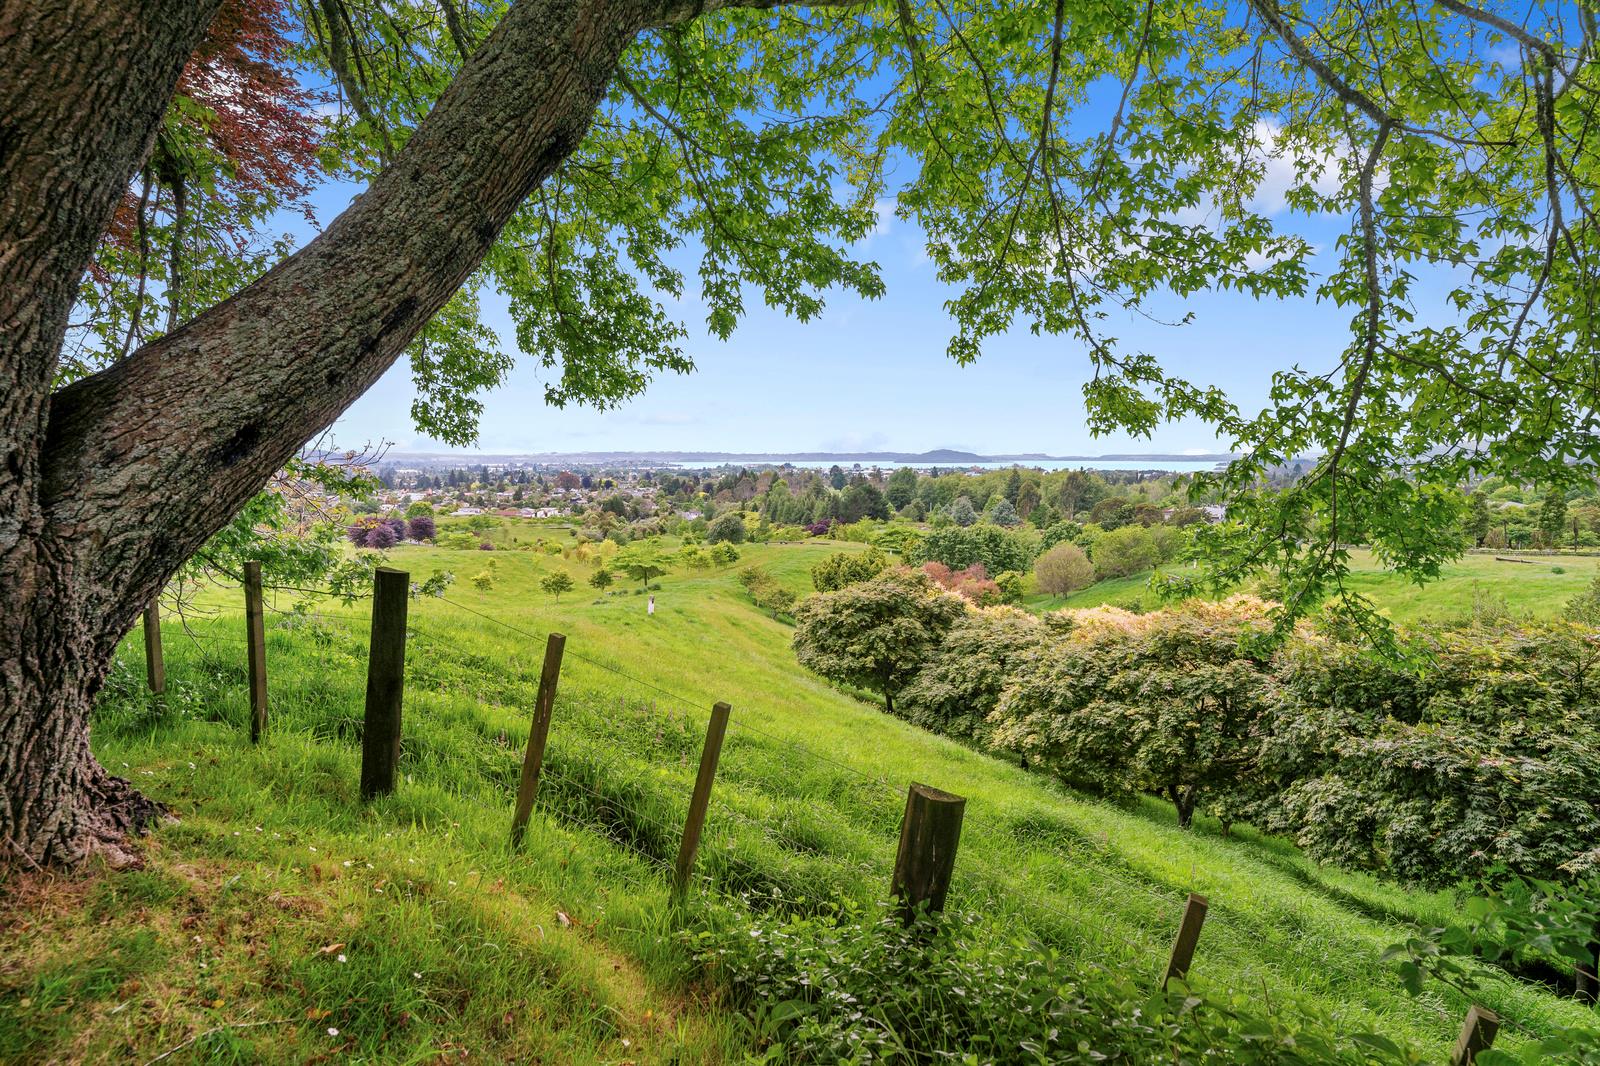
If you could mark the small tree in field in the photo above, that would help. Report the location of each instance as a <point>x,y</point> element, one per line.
<point>642,562</point>
<point>875,634</point>
<point>422,528</point>
<point>601,579</point>
<point>556,582</point>
<point>1063,569</point>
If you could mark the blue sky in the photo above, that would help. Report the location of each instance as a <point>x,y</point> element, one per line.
<point>873,375</point>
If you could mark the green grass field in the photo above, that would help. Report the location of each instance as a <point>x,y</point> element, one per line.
<point>1538,587</point>
<point>286,921</point>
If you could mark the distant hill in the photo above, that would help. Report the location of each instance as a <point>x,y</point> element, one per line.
<point>936,457</point>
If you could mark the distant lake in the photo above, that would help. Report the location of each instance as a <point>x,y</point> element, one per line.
<point>1173,465</point>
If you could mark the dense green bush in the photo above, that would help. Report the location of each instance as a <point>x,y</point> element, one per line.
<point>958,547</point>
<point>1489,756</point>
<point>875,634</point>
<point>727,528</point>
<point>960,685</point>
<point>1169,703</point>
<point>846,568</point>
<point>863,988</point>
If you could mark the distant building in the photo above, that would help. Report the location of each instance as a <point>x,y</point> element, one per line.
<point>465,512</point>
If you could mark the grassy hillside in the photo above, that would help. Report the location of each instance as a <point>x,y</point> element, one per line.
<point>1539,586</point>
<point>286,921</point>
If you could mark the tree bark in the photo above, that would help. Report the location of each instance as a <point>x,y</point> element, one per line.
<point>111,483</point>
<point>84,87</point>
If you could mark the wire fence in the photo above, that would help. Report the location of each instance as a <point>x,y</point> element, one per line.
<point>567,797</point>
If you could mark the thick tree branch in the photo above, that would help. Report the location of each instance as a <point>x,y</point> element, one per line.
<point>164,445</point>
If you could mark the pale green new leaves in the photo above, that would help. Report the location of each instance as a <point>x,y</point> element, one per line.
<point>1070,162</point>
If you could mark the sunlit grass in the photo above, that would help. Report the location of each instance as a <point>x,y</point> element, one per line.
<point>805,809</point>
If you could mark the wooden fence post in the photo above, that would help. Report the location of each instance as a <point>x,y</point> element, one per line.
<point>700,799</point>
<point>386,671</point>
<point>930,830</point>
<point>155,668</point>
<point>1477,1033</point>
<point>528,787</point>
<point>256,649</point>
<point>1194,916</point>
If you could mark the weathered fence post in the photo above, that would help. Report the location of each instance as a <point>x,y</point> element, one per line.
<point>528,787</point>
<point>1477,1033</point>
<point>930,830</point>
<point>155,668</point>
<point>256,649</point>
<point>1194,916</point>
<point>700,799</point>
<point>386,671</point>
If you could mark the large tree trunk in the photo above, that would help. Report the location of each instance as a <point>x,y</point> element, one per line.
<point>83,85</point>
<point>108,485</point>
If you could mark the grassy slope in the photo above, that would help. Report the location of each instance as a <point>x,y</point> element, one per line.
<point>1533,587</point>
<point>226,925</point>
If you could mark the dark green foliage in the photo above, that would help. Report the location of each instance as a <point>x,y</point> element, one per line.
<point>1491,759</point>
<point>875,634</point>
<point>959,547</point>
<point>901,488</point>
<point>726,528</point>
<point>1476,527</point>
<point>854,987</point>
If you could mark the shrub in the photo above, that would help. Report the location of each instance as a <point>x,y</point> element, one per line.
<point>875,634</point>
<point>847,568</point>
<point>456,540</point>
<point>1125,550</point>
<point>972,584</point>
<point>961,512</point>
<point>600,579</point>
<point>1169,702</point>
<point>381,537</point>
<point>724,554</point>
<point>726,528</point>
<point>1585,606</point>
<point>1063,569</point>
<point>960,684</point>
<point>765,591</point>
<point>859,986</point>
<point>1003,513</point>
<point>422,528</point>
<point>997,549</point>
<point>483,581</point>
<point>1012,586</point>
<point>1489,758</point>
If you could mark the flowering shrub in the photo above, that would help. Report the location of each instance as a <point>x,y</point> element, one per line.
<point>972,584</point>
